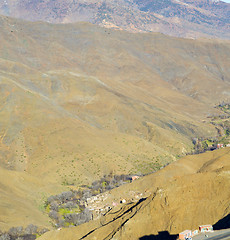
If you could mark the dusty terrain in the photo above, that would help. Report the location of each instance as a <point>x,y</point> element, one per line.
<point>79,101</point>
<point>188,193</point>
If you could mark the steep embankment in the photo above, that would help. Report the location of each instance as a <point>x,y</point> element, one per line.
<point>190,192</point>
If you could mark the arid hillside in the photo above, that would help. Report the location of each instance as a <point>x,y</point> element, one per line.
<point>184,18</point>
<point>79,101</point>
<point>188,193</point>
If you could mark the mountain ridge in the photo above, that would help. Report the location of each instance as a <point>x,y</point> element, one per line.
<point>186,18</point>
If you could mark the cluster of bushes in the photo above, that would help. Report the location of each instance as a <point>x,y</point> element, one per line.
<point>224,106</point>
<point>202,145</point>
<point>68,208</point>
<point>108,182</point>
<point>209,144</point>
<point>223,129</point>
<point>31,232</point>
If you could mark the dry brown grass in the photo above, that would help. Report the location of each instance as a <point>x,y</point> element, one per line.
<point>77,102</point>
<point>183,197</point>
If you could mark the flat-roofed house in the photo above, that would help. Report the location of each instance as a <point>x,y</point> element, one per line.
<point>206,228</point>
<point>135,178</point>
<point>185,234</point>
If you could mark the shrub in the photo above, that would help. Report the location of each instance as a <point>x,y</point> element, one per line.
<point>104,184</point>
<point>69,205</point>
<point>60,223</point>
<point>109,187</point>
<point>79,218</point>
<point>86,215</point>
<point>86,194</point>
<point>95,183</point>
<point>79,194</point>
<point>228,132</point>
<point>31,229</point>
<point>95,187</point>
<point>29,237</point>
<point>54,206</point>
<point>72,218</point>
<point>16,231</point>
<point>43,230</point>
<point>51,199</point>
<point>66,196</point>
<point>5,236</point>
<point>54,215</point>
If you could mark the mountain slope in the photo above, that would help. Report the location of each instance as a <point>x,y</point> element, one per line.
<point>178,18</point>
<point>79,101</point>
<point>22,199</point>
<point>183,197</point>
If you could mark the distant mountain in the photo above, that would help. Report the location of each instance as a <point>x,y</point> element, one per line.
<point>183,18</point>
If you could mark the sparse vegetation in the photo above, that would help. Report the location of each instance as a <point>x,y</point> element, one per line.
<point>31,232</point>
<point>222,124</point>
<point>78,123</point>
<point>69,208</point>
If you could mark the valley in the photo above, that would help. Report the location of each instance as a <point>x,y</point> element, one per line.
<point>82,105</point>
<point>200,178</point>
<point>221,123</point>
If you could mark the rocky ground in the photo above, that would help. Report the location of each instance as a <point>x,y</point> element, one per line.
<point>191,19</point>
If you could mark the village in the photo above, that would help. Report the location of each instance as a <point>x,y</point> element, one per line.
<point>222,126</point>
<point>205,232</point>
<point>189,234</point>
<point>75,207</point>
<point>101,204</point>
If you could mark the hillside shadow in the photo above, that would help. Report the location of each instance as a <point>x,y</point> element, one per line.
<point>222,223</point>
<point>161,236</point>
